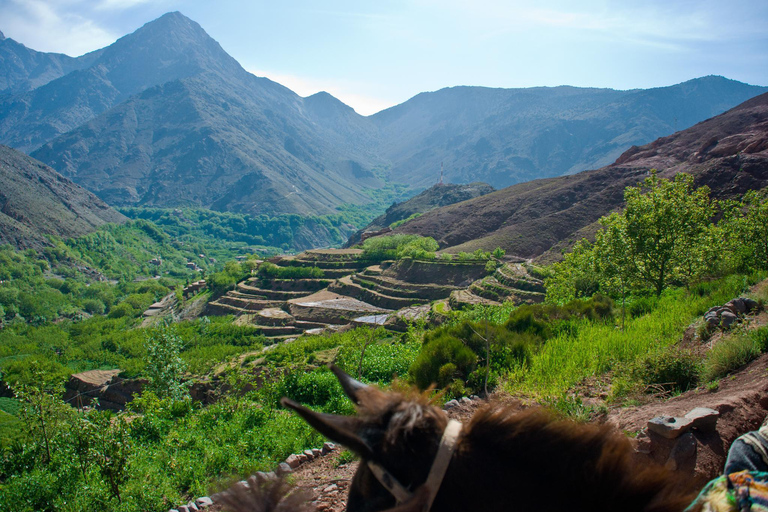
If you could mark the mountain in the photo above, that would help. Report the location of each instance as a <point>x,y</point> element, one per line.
<point>211,134</point>
<point>508,136</point>
<point>36,201</point>
<point>728,153</point>
<point>165,117</point>
<point>169,48</point>
<point>434,197</point>
<point>24,69</point>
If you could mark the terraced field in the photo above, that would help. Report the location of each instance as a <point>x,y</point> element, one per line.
<point>355,291</point>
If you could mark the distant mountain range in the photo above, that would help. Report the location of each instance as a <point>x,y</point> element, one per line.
<point>164,117</point>
<point>537,219</point>
<point>36,201</point>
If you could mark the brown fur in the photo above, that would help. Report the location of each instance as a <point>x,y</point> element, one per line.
<point>505,460</point>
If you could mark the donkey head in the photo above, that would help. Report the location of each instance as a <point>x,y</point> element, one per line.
<point>398,432</point>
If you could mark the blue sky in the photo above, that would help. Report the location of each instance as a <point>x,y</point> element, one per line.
<point>373,55</point>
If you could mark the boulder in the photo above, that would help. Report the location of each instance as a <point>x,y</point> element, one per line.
<point>450,404</point>
<point>316,452</point>
<point>282,469</point>
<point>737,306</point>
<point>683,452</point>
<point>293,461</point>
<point>750,304</point>
<point>669,426</point>
<point>327,448</point>
<point>203,502</point>
<point>727,319</point>
<point>703,418</point>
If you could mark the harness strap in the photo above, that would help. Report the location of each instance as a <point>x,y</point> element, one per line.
<point>443,458</point>
<point>448,443</point>
<point>389,482</point>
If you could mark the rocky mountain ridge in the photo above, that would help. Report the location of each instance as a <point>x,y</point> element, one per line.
<point>164,117</point>
<point>537,219</point>
<point>36,201</point>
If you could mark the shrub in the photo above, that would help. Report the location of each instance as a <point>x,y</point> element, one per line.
<point>674,370</point>
<point>730,354</point>
<point>455,352</point>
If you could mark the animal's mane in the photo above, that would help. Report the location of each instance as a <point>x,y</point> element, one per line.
<point>588,464</point>
<point>404,409</point>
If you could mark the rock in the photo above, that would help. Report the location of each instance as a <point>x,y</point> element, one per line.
<point>317,452</point>
<point>332,487</point>
<point>670,427</point>
<point>474,397</point>
<point>173,510</point>
<point>309,455</point>
<point>737,306</point>
<point>293,461</point>
<point>183,508</point>
<point>465,400</point>
<point>327,448</point>
<point>451,404</point>
<point>191,506</point>
<point>244,484</point>
<point>727,319</point>
<point>643,443</point>
<point>302,458</point>
<point>204,502</point>
<point>683,451</point>
<point>283,469</point>
<point>750,304</point>
<point>271,475</point>
<point>703,418</point>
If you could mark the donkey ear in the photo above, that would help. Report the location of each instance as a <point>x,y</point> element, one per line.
<point>351,387</point>
<point>341,429</point>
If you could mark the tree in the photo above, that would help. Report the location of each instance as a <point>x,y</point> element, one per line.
<point>42,410</point>
<point>665,222</point>
<point>663,235</point>
<point>751,230</point>
<point>165,367</point>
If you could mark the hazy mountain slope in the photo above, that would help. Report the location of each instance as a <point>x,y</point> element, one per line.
<point>729,153</point>
<point>164,117</point>
<point>219,138</point>
<point>507,136</point>
<point>24,69</point>
<point>168,48</point>
<point>36,201</point>
<point>434,197</point>
<point>172,145</point>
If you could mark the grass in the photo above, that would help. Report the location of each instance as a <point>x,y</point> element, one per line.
<point>733,352</point>
<point>596,348</point>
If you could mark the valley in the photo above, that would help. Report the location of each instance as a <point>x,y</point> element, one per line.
<point>183,243</point>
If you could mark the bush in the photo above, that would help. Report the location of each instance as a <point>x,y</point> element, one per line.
<point>455,352</point>
<point>272,271</point>
<point>674,370</point>
<point>393,247</point>
<point>730,354</point>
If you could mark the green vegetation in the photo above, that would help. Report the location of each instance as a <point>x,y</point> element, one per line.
<point>394,247</point>
<point>664,275</point>
<point>400,222</point>
<point>272,271</point>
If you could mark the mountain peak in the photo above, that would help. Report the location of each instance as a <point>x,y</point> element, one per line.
<point>2,36</point>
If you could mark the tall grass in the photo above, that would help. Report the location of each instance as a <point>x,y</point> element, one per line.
<point>595,348</point>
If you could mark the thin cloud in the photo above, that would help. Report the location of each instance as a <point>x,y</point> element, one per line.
<point>303,86</point>
<point>52,27</point>
<point>119,5</point>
